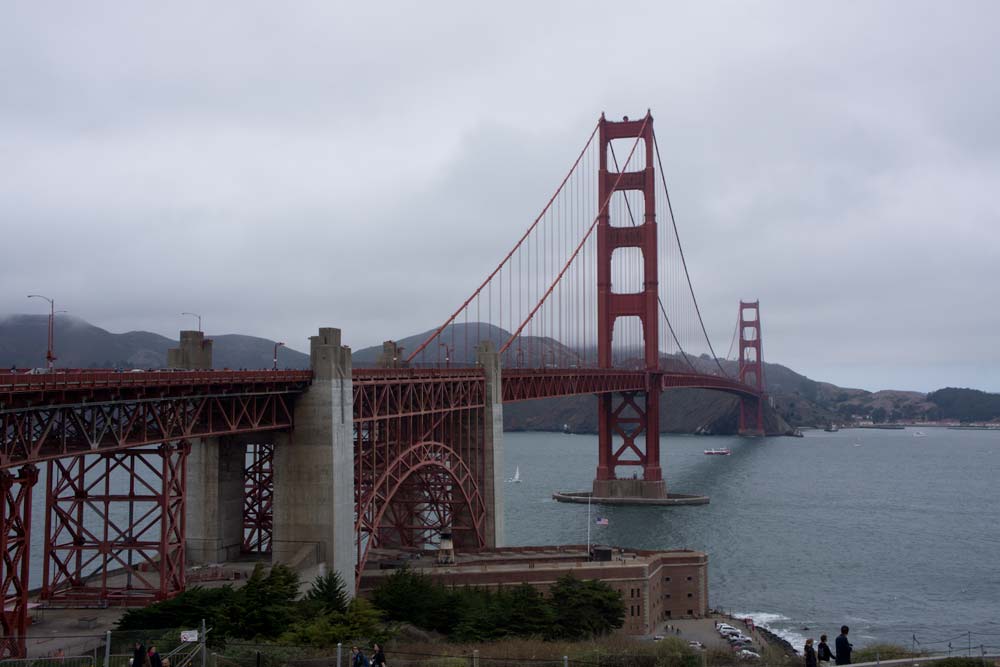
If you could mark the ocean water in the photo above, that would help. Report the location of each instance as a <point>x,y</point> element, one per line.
<point>893,535</point>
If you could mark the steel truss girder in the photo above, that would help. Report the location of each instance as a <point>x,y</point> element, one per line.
<point>15,550</point>
<point>48,432</point>
<point>415,392</point>
<point>258,499</point>
<point>94,556</point>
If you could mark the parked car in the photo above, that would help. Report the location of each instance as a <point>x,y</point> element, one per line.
<point>748,655</point>
<point>696,645</point>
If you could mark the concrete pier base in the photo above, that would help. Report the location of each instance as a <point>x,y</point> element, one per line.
<point>314,468</point>
<point>629,488</point>
<point>214,506</point>
<point>584,497</point>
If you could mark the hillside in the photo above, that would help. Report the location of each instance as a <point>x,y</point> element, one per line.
<point>79,344</point>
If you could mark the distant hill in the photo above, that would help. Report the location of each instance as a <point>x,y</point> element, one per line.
<point>79,344</point>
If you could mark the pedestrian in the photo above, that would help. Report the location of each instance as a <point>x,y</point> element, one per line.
<point>154,657</point>
<point>844,647</point>
<point>823,652</point>
<point>139,655</point>
<point>378,657</point>
<point>810,653</point>
<point>358,658</point>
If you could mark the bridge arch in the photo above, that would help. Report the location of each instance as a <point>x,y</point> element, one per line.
<point>425,487</point>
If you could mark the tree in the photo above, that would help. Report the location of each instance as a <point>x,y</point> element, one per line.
<point>585,609</point>
<point>264,607</point>
<point>329,593</point>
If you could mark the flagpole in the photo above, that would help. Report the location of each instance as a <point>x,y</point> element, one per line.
<point>588,524</point>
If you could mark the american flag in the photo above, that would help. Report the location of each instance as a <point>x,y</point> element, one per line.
<point>601,521</point>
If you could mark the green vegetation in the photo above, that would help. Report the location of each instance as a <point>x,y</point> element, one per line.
<point>574,609</point>
<point>267,609</point>
<point>874,652</point>
<point>967,405</point>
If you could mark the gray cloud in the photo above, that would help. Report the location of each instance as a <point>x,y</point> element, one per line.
<point>279,169</point>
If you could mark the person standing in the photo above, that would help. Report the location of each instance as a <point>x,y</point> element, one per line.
<point>844,647</point>
<point>154,657</point>
<point>139,655</point>
<point>823,652</point>
<point>358,658</point>
<point>810,653</point>
<point>378,657</point>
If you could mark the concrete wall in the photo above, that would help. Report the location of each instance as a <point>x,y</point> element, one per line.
<point>314,468</point>
<point>194,352</point>
<point>493,477</point>
<point>214,504</point>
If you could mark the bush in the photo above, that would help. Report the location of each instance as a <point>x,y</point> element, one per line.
<point>874,652</point>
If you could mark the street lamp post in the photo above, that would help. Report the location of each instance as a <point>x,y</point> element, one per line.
<point>276,346</point>
<point>50,357</point>
<point>194,315</point>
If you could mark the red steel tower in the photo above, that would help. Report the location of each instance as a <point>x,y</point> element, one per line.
<point>632,414</point>
<point>751,369</point>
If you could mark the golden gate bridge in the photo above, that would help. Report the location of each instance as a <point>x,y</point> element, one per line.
<point>343,460</point>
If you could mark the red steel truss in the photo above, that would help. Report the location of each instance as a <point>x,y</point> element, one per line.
<point>258,497</point>
<point>103,547</point>
<point>751,369</point>
<point>15,550</point>
<point>418,458</point>
<point>46,432</point>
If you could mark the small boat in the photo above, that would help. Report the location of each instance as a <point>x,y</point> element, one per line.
<point>832,428</point>
<point>517,475</point>
<point>919,434</point>
<point>722,451</point>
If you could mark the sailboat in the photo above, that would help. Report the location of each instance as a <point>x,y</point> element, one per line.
<point>517,475</point>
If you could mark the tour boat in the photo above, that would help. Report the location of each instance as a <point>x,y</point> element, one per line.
<point>723,451</point>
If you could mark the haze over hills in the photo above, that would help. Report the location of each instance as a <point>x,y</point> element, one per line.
<point>797,400</point>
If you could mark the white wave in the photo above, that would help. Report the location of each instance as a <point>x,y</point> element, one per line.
<point>767,620</point>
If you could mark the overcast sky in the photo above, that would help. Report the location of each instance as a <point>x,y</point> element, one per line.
<point>283,166</point>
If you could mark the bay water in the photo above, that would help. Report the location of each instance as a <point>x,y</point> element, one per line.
<point>894,534</point>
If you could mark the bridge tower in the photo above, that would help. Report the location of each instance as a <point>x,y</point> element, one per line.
<point>632,414</point>
<point>751,369</point>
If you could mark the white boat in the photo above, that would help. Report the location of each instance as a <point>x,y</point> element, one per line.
<point>722,451</point>
<point>517,475</point>
<point>919,434</point>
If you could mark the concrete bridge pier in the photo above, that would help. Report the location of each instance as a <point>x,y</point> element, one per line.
<point>314,468</point>
<point>214,503</point>
<point>492,449</point>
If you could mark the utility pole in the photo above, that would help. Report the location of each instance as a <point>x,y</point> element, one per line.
<point>50,356</point>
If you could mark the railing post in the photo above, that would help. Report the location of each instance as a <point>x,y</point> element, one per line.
<point>565,661</point>
<point>475,658</point>
<point>107,649</point>
<point>340,646</point>
<point>204,644</point>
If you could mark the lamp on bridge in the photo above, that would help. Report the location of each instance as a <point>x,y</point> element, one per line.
<point>276,346</point>
<point>447,354</point>
<point>194,315</point>
<point>50,356</point>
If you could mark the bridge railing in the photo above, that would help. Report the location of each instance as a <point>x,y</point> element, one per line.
<point>11,383</point>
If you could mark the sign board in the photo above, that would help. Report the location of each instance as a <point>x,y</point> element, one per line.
<point>189,635</point>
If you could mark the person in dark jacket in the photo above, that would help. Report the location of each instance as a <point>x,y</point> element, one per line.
<point>154,657</point>
<point>378,657</point>
<point>823,652</point>
<point>844,647</point>
<point>810,653</point>
<point>139,655</point>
